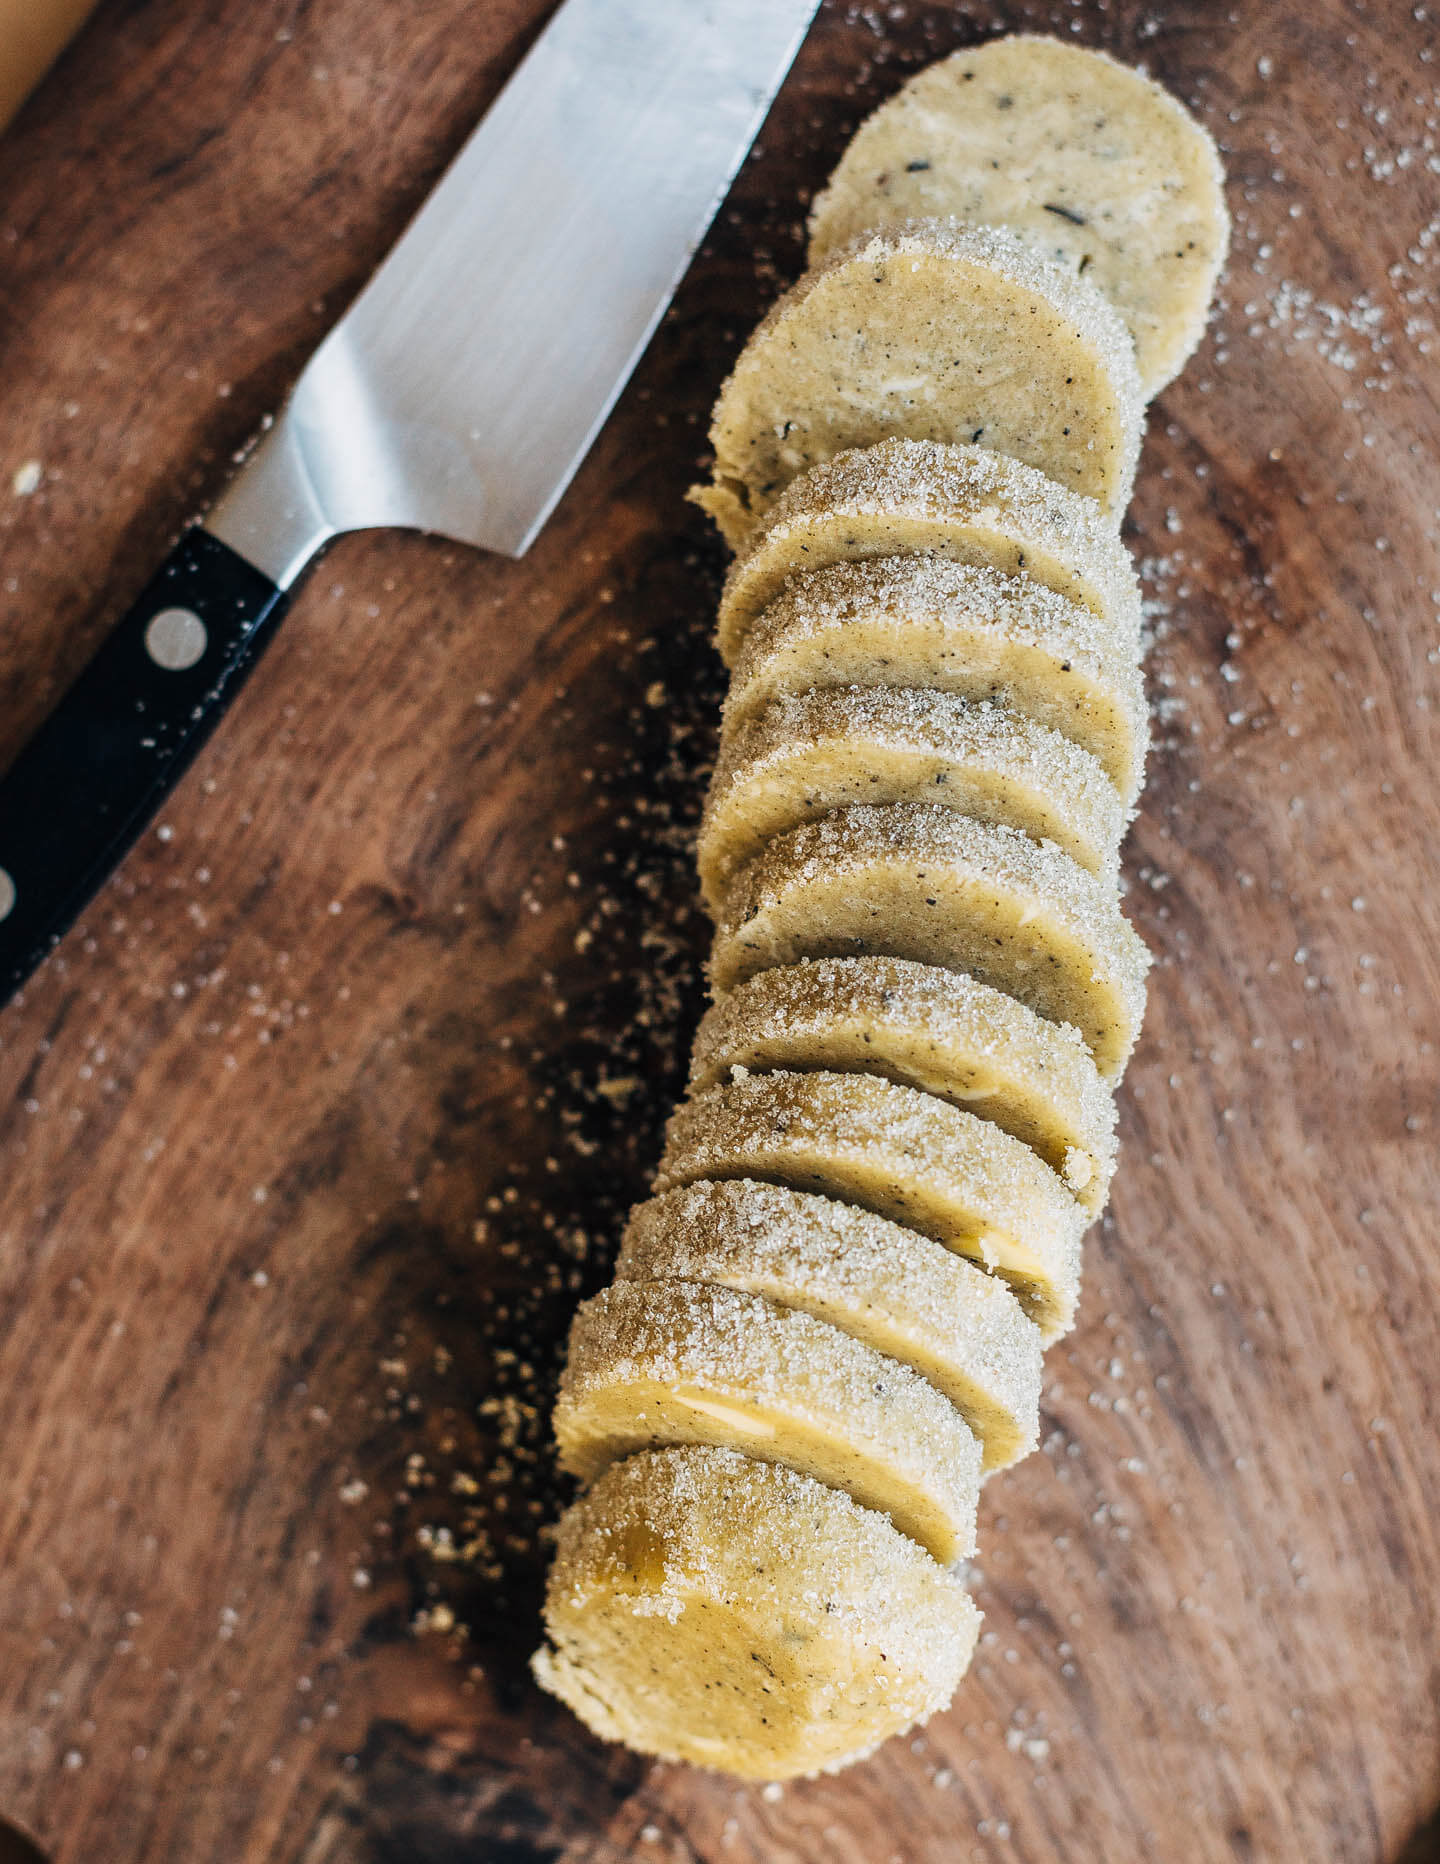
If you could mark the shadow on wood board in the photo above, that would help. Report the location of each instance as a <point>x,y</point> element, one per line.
<point>1423,1846</point>
<point>16,1848</point>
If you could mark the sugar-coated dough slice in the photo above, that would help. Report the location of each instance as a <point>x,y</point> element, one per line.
<point>925,621</point>
<point>805,756</point>
<point>901,1293</point>
<point>903,1154</point>
<point>930,332</point>
<point>1088,160</point>
<point>652,1363</point>
<point>914,881</point>
<point>708,1608</point>
<point>935,1030</point>
<point>961,502</point>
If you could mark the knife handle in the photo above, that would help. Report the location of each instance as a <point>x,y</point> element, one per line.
<point>81,791</point>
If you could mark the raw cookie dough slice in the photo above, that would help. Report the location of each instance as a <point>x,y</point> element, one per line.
<point>930,332</point>
<point>708,1608</point>
<point>924,621</point>
<point>958,501</point>
<point>939,1031</point>
<point>805,756</point>
<point>653,1363</point>
<point>906,1156</point>
<point>914,881</point>
<point>897,1291</point>
<point>1087,160</point>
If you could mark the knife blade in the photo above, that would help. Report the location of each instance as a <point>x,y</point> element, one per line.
<point>458,395</point>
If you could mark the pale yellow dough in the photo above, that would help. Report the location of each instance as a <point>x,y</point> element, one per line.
<point>905,496</point>
<point>804,757</point>
<point>904,1155</point>
<point>826,1324</point>
<point>1090,162</point>
<point>652,1363</point>
<point>914,881</point>
<point>901,1293</point>
<point>930,332</point>
<point>708,1608</point>
<point>924,1027</point>
<point>925,622</point>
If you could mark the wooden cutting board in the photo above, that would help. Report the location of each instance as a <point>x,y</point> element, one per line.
<point>316,1130</point>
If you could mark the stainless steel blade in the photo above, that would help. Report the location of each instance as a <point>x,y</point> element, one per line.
<point>467,381</point>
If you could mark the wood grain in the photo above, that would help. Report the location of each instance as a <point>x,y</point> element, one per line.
<point>315,1131</point>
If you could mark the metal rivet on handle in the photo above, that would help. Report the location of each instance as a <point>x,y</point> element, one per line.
<point>7,895</point>
<point>176,639</point>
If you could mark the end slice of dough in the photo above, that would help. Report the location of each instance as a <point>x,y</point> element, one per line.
<point>931,332</point>
<point>678,1362</point>
<point>901,1293</point>
<point>903,496</point>
<point>913,881</point>
<point>1089,161</point>
<point>928,622</point>
<point>804,757</point>
<point>939,1031</point>
<point>902,1154</point>
<point>708,1608</point>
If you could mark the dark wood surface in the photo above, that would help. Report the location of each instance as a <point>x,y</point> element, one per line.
<point>314,1132</point>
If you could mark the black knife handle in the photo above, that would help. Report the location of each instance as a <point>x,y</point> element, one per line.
<point>81,791</point>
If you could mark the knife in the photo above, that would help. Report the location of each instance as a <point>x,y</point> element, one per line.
<point>458,395</point>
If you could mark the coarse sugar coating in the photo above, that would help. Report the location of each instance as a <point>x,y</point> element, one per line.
<point>1088,161</point>
<point>808,754</point>
<point>930,331</point>
<point>926,621</point>
<point>826,1324</point>
<point>899,497</point>
<point>939,1031</point>
<point>901,1293</point>
<point>709,1608</point>
<point>904,1155</point>
<point>914,881</point>
<point>661,1362</point>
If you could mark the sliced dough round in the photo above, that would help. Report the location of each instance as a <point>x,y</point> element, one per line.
<point>708,1608</point>
<point>1087,160</point>
<point>901,1293</point>
<point>939,1031</point>
<point>960,502</point>
<point>914,881</point>
<point>925,621</point>
<point>805,756</point>
<point>652,1363</point>
<point>930,332</point>
<point>904,1155</point>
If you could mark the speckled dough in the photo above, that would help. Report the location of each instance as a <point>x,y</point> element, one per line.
<point>805,756</point>
<point>950,501</point>
<point>914,881</point>
<point>903,1154</point>
<point>935,1030</point>
<point>930,332</point>
<point>927,622</point>
<point>897,1291</point>
<point>707,1608</point>
<point>1090,162</point>
<point>826,1325</point>
<point>652,1363</point>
